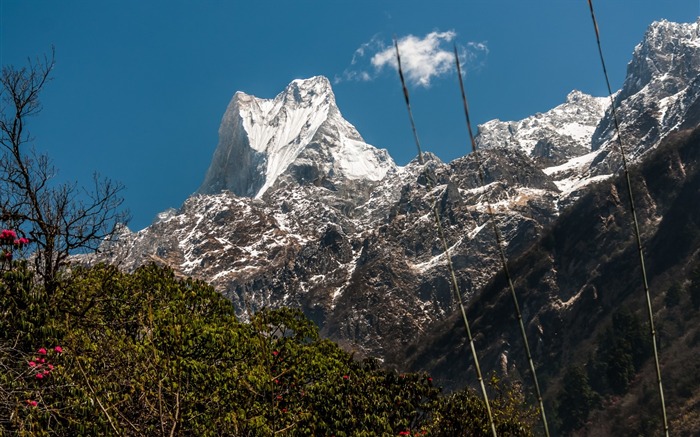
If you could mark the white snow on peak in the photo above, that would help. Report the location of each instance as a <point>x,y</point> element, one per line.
<point>575,119</point>
<point>267,136</point>
<point>282,127</point>
<point>572,175</point>
<point>687,32</point>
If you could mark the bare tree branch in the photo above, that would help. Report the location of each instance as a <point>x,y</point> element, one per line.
<point>61,219</point>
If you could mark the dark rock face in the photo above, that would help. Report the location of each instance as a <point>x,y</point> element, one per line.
<point>240,170</point>
<point>583,269</point>
<point>549,152</point>
<point>667,48</point>
<point>660,89</point>
<point>360,253</point>
<point>364,261</point>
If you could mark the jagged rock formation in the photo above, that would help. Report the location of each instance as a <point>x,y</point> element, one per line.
<point>296,209</point>
<point>298,138</point>
<point>583,270</point>
<point>551,138</point>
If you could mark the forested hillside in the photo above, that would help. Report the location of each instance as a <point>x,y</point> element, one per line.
<point>146,354</point>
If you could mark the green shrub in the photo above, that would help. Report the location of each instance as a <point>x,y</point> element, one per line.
<point>149,354</point>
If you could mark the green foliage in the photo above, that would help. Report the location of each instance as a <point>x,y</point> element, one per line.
<point>149,354</point>
<point>622,349</point>
<point>464,413</point>
<point>576,400</point>
<point>22,308</point>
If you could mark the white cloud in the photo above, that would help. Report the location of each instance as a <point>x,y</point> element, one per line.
<point>422,59</point>
<point>372,45</point>
<point>473,56</point>
<point>478,46</point>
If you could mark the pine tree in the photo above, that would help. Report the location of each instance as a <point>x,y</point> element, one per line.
<point>576,400</point>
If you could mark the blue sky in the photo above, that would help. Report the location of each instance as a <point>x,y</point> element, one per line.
<point>139,87</point>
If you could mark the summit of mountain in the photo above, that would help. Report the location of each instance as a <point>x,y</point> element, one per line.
<point>297,210</point>
<point>298,137</point>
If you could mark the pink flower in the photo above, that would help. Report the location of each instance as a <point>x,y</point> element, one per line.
<point>50,366</point>
<point>346,377</point>
<point>32,403</point>
<point>8,234</point>
<point>405,433</point>
<point>32,364</point>
<point>58,349</point>
<point>41,351</point>
<point>39,375</point>
<point>275,353</point>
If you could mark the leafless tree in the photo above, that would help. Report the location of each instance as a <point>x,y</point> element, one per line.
<point>60,219</point>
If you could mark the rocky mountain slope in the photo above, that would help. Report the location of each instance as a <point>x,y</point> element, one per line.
<point>583,273</point>
<point>297,210</point>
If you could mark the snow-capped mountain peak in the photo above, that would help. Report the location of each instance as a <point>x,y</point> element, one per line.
<point>305,91</point>
<point>299,135</point>
<point>575,142</point>
<point>660,93</point>
<point>339,231</point>
<point>552,137</point>
<point>667,50</point>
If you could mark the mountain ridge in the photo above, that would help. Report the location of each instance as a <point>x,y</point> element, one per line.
<point>299,134</point>
<point>359,254</point>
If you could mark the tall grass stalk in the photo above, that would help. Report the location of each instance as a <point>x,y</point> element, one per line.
<point>634,219</point>
<point>443,239</point>
<point>500,243</point>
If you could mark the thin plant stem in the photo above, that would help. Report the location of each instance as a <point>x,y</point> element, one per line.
<point>97,398</point>
<point>443,239</point>
<point>500,244</point>
<point>634,220</point>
